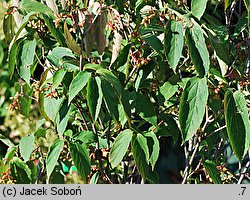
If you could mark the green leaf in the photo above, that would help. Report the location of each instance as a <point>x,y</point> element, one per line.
<point>12,58</point>
<point>120,147</point>
<point>237,121</point>
<point>26,146</point>
<point>34,6</point>
<point>63,118</point>
<point>80,156</point>
<point>78,83</point>
<point>94,96</point>
<point>173,42</point>
<point>141,155</point>
<point>51,107</point>
<point>27,59</point>
<point>20,171</point>
<point>110,98</point>
<point>110,77</point>
<point>154,147</point>
<point>169,127</point>
<point>10,154</point>
<point>25,101</point>
<point>57,54</point>
<point>87,137</point>
<point>9,26</point>
<point>167,90</point>
<point>53,155</point>
<point>198,8</point>
<point>94,178</point>
<point>192,106</point>
<point>58,77</point>
<point>71,41</point>
<point>212,171</point>
<point>198,49</point>
<point>55,32</point>
<point>146,109</point>
<point>153,41</point>
<point>24,22</point>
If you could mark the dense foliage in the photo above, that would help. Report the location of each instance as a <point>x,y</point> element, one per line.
<point>138,91</point>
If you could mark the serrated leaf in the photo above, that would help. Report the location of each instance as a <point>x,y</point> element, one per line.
<point>154,148</point>
<point>198,8</point>
<point>94,96</point>
<point>192,107</point>
<point>78,83</point>
<point>198,49</point>
<point>173,42</point>
<point>71,41</point>
<point>237,121</point>
<point>80,156</point>
<point>26,146</point>
<point>53,155</point>
<point>120,147</point>
<point>146,109</point>
<point>20,171</point>
<point>212,171</point>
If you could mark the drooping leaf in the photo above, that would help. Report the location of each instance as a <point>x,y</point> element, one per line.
<point>55,31</point>
<point>192,106</point>
<point>53,155</point>
<point>154,147</point>
<point>237,121</point>
<point>9,26</point>
<point>94,178</point>
<point>141,155</point>
<point>26,146</point>
<point>110,77</point>
<point>212,171</point>
<point>12,59</point>
<point>198,7</point>
<point>10,154</point>
<point>63,117</point>
<point>146,109</point>
<point>78,83</point>
<point>20,171</point>
<point>71,41</point>
<point>120,147</point>
<point>94,96</point>
<point>173,42</point>
<point>58,77</point>
<point>27,59</point>
<point>198,49</point>
<point>80,156</point>
<point>110,98</point>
